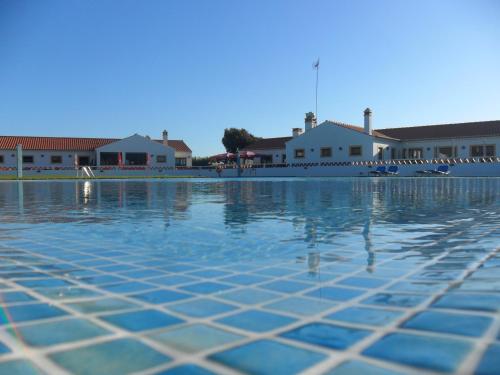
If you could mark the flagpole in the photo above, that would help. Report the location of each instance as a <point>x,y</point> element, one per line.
<point>317,77</point>
<point>316,66</point>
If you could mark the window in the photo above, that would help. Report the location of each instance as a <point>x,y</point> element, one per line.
<point>136,158</point>
<point>266,159</point>
<point>1,159</point>
<point>161,158</point>
<point>445,152</point>
<point>109,158</point>
<point>83,160</point>
<point>415,153</point>
<point>476,150</point>
<point>480,150</point>
<point>180,162</point>
<point>393,153</point>
<point>326,152</point>
<point>56,159</point>
<point>489,150</point>
<point>300,153</point>
<point>355,151</point>
<point>28,159</point>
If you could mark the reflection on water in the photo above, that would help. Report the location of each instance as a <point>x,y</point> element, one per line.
<point>314,220</point>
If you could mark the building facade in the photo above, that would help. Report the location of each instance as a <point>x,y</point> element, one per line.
<point>333,141</point>
<point>59,152</point>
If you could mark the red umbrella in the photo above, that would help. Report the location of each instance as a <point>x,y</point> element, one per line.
<point>247,154</point>
<point>225,156</point>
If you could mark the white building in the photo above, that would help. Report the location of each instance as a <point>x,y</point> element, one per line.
<point>59,152</point>
<point>333,141</point>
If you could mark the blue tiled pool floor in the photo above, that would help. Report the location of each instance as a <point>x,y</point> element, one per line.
<point>92,298</point>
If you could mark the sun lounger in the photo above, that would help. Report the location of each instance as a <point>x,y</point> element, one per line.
<point>380,171</point>
<point>441,170</point>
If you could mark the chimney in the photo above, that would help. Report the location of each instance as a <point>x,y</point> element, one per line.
<point>296,132</point>
<point>368,121</point>
<point>310,121</point>
<point>165,138</point>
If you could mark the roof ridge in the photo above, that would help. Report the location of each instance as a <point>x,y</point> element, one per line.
<point>446,124</point>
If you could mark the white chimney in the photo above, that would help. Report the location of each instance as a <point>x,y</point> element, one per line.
<point>310,121</point>
<point>368,121</point>
<point>165,137</point>
<point>296,132</point>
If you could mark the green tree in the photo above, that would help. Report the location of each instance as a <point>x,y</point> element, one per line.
<point>200,161</point>
<point>235,139</point>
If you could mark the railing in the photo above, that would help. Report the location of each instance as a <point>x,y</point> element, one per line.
<point>368,163</point>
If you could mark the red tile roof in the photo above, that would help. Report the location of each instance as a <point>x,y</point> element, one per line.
<point>376,133</point>
<point>466,129</point>
<point>268,144</point>
<point>69,144</point>
<point>178,144</point>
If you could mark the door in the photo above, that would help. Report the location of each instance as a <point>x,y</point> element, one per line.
<point>380,153</point>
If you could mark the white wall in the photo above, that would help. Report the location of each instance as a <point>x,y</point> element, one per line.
<point>462,144</point>
<point>338,139</point>
<point>138,143</point>
<point>276,153</point>
<point>42,158</point>
<point>186,155</point>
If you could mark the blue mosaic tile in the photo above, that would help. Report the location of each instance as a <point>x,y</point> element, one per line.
<point>394,299</point>
<point>3,348</point>
<point>127,287</point>
<point>363,282</point>
<point>102,279</point>
<point>201,308</point>
<point>20,367</point>
<point>71,292</point>
<point>210,273</point>
<point>427,352</point>
<point>365,315</point>
<point>245,279</point>
<point>327,335</point>
<point>53,333</point>
<point>13,297</point>
<point>27,312</point>
<point>160,296</point>
<point>188,369</point>
<point>275,271</point>
<point>44,283</point>
<point>249,296</point>
<point>178,268</point>
<point>256,321</point>
<point>335,293</point>
<point>459,324</point>
<point>206,287</point>
<point>417,287</point>
<point>490,362</point>
<point>316,277</point>
<point>141,320</point>
<point>284,286</point>
<point>110,358</point>
<point>469,301</point>
<point>360,368</point>
<point>142,274</point>
<point>281,359</point>
<point>101,305</point>
<point>172,280</point>
<point>301,305</point>
<point>195,338</point>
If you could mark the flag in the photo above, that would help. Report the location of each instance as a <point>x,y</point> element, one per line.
<point>316,64</point>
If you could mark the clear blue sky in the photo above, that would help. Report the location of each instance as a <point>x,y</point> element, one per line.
<point>106,68</point>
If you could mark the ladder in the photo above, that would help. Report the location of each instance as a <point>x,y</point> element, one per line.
<point>85,171</point>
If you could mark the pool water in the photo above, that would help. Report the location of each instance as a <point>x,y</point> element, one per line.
<point>272,276</point>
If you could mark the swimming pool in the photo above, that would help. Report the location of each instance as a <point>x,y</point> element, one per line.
<point>335,276</point>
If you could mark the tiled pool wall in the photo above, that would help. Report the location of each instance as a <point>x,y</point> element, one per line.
<point>268,277</point>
